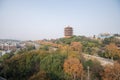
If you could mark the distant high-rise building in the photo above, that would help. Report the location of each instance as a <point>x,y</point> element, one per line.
<point>68,31</point>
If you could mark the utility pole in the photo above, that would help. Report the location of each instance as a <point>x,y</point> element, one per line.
<point>88,78</point>
<point>82,76</point>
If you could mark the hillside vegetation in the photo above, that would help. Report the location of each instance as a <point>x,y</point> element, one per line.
<point>63,59</point>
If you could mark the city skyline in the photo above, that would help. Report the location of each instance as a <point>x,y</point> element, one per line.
<point>34,20</point>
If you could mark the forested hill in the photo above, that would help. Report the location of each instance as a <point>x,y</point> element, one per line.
<point>63,59</point>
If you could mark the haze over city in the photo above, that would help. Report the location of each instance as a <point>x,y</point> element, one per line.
<point>39,19</point>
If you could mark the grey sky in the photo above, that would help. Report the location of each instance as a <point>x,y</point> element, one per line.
<point>39,19</point>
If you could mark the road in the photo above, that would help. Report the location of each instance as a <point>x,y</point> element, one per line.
<point>103,61</point>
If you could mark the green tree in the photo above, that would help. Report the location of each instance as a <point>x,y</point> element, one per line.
<point>95,69</point>
<point>41,75</point>
<point>21,66</point>
<point>52,64</point>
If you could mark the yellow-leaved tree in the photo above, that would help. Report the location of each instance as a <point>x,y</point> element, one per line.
<point>76,46</point>
<point>73,67</point>
<point>112,50</point>
<point>111,72</point>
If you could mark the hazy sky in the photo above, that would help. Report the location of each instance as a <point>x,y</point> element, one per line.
<point>39,19</point>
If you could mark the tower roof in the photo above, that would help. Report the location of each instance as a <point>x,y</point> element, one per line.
<point>68,27</point>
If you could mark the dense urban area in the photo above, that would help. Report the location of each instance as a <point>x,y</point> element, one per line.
<point>69,58</point>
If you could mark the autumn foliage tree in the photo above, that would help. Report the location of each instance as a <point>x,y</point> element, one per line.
<point>111,50</point>
<point>111,72</point>
<point>76,46</point>
<point>73,67</point>
<point>66,48</point>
